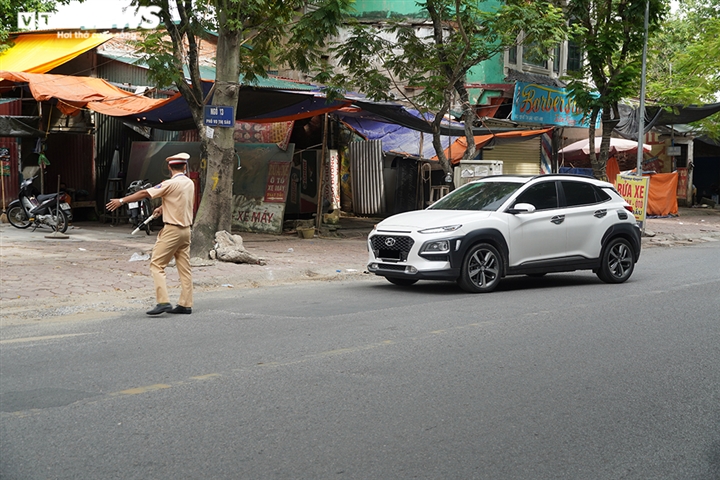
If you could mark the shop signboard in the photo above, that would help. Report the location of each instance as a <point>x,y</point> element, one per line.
<point>276,188</point>
<point>547,105</point>
<point>682,185</point>
<point>673,151</point>
<point>635,191</point>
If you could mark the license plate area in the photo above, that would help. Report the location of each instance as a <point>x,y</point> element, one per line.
<point>396,255</point>
<point>133,205</point>
<point>65,206</point>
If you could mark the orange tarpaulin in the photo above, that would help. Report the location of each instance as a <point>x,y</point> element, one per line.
<point>455,152</point>
<point>41,52</point>
<point>74,93</point>
<point>662,198</point>
<point>612,170</point>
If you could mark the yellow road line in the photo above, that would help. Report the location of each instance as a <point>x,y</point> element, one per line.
<point>210,376</point>
<point>146,389</point>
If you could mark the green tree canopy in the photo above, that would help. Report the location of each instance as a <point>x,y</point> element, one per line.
<point>463,33</point>
<point>612,37</point>
<point>684,60</point>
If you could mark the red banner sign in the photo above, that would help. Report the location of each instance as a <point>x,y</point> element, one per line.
<point>277,182</point>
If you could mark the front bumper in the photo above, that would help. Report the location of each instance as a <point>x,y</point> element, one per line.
<point>406,261</point>
<point>409,271</point>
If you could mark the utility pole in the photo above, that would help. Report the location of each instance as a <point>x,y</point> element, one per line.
<point>641,114</point>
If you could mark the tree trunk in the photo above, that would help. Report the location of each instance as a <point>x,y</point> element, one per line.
<point>598,160</point>
<point>607,126</point>
<point>469,116</point>
<point>437,142</point>
<point>215,210</point>
<point>598,169</point>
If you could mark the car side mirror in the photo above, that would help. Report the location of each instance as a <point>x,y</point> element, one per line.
<point>522,208</point>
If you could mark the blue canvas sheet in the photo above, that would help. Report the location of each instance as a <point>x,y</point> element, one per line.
<point>395,138</point>
<point>254,105</point>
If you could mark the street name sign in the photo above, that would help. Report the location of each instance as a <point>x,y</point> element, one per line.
<point>219,116</point>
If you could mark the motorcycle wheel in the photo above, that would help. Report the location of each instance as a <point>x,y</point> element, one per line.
<point>145,213</point>
<point>17,217</point>
<point>61,219</point>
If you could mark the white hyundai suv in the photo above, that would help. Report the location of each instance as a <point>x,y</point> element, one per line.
<point>510,225</point>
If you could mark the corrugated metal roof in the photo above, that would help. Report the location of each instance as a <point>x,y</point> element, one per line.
<point>208,73</point>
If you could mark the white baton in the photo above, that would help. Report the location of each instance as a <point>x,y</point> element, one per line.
<point>150,219</point>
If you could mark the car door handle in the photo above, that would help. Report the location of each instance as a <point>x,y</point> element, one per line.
<point>558,219</point>
<point>600,213</point>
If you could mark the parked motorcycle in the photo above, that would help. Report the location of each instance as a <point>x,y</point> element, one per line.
<point>142,210</point>
<point>39,210</point>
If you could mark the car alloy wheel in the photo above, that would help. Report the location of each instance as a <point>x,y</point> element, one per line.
<point>618,261</point>
<point>481,269</point>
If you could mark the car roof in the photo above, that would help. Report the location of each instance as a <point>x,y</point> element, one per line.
<point>557,176</point>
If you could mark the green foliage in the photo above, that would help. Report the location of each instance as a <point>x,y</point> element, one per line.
<point>462,33</point>
<point>9,10</point>
<point>271,33</point>
<point>612,36</point>
<point>164,69</point>
<point>684,60</point>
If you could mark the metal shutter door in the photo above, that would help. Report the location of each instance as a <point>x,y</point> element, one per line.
<point>519,158</point>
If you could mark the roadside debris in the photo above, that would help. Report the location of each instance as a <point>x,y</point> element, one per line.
<point>139,257</point>
<point>229,248</point>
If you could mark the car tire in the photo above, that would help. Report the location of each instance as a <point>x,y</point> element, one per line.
<point>403,282</point>
<point>617,261</point>
<point>481,269</point>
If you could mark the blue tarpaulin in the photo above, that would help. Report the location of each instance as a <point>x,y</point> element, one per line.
<point>254,105</point>
<point>588,172</point>
<point>395,138</point>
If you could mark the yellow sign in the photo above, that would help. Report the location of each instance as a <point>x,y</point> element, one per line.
<point>635,191</point>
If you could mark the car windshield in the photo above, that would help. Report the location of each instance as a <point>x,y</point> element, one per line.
<point>477,196</point>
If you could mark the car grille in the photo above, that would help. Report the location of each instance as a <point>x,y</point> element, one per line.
<point>391,266</point>
<point>392,247</point>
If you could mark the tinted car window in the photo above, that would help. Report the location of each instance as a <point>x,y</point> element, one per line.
<point>605,196</point>
<point>477,196</point>
<point>577,193</point>
<point>542,196</point>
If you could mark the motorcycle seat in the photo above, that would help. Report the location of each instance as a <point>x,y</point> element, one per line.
<point>46,196</point>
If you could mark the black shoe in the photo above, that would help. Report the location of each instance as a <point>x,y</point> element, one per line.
<point>160,308</point>
<point>181,309</point>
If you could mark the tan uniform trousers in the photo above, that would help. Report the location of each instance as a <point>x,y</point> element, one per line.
<point>172,241</point>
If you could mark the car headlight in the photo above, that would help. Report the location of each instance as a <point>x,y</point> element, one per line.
<point>448,228</point>
<point>437,246</point>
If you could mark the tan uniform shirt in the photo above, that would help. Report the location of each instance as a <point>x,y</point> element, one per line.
<point>178,195</point>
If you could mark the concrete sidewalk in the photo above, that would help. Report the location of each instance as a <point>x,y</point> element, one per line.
<point>102,270</point>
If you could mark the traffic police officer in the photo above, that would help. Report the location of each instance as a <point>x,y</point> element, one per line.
<point>178,194</point>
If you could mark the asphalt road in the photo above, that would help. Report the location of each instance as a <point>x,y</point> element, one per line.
<point>561,377</point>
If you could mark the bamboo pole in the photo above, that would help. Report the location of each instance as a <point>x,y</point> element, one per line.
<point>321,176</point>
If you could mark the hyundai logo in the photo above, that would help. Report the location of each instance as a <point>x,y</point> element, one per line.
<point>389,242</point>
